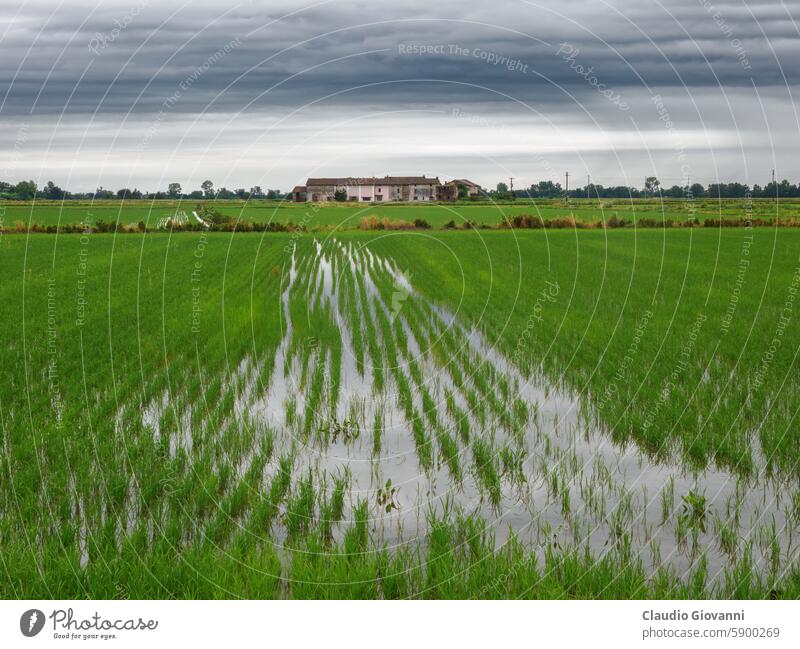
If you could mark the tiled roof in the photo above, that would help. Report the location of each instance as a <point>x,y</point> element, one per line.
<point>386,180</point>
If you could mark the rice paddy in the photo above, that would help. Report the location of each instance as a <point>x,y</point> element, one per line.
<point>348,216</point>
<point>394,415</point>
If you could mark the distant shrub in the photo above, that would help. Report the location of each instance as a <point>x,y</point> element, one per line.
<point>756,223</point>
<point>525,221</point>
<point>422,224</point>
<point>654,223</point>
<point>273,226</point>
<point>568,223</point>
<point>374,223</point>
<point>615,222</point>
<point>216,219</point>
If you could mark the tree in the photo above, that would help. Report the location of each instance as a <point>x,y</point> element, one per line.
<point>208,188</point>
<point>651,185</point>
<point>175,190</point>
<point>129,193</point>
<point>25,190</point>
<point>52,191</point>
<point>340,195</point>
<point>697,190</point>
<point>502,188</point>
<point>212,215</point>
<point>255,192</point>
<point>273,193</point>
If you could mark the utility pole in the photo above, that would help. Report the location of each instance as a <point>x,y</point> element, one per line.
<point>588,182</point>
<point>775,187</point>
<point>511,186</point>
<point>566,187</point>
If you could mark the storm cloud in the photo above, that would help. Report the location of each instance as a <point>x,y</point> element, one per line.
<point>138,93</point>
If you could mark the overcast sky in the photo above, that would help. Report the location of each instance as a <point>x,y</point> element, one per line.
<point>140,93</point>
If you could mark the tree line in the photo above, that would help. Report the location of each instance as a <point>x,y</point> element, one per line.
<point>652,189</point>
<point>28,190</point>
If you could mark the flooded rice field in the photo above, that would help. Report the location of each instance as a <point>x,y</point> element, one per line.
<point>378,405</point>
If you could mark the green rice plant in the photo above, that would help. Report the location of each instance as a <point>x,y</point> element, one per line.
<point>266,509</point>
<point>512,462</point>
<point>300,508</point>
<point>290,412</point>
<point>357,536</point>
<point>332,508</point>
<point>458,416</point>
<point>694,510</point>
<point>314,397</point>
<point>377,432</point>
<point>486,470</point>
<point>565,501</point>
<point>448,447</point>
<point>422,441</point>
<point>667,499</point>
<point>728,535</point>
<point>767,538</point>
<point>371,335</point>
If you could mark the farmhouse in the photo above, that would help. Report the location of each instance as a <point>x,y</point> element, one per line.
<point>404,189</point>
<point>467,187</point>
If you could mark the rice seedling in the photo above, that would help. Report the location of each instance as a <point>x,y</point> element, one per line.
<point>486,469</point>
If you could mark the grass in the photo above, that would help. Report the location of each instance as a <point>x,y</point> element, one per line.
<point>587,338</point>
<point>349,216</point>
<point>155,443</point>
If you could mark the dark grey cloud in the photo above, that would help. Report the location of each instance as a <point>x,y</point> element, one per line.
<point>338,45</point>
<point>149,82</point>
